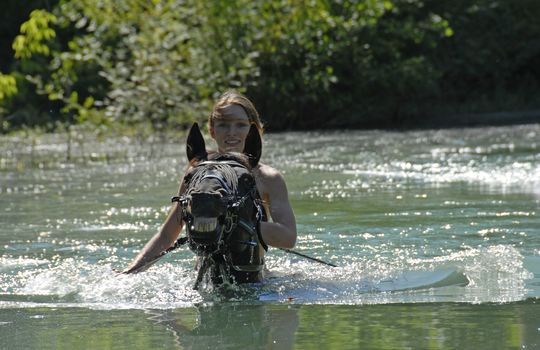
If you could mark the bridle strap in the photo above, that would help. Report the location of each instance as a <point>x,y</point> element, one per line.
<point>253,231</point>
<point>221,181</point>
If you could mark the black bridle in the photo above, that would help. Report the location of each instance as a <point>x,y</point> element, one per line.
<point>217,249</point>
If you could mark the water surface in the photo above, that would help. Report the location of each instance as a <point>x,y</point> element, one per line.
<point>435,234</point>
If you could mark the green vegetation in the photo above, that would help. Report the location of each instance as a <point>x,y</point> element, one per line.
<point>154,65</point>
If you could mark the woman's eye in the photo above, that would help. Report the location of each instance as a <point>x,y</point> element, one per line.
<point>238,125</point>
<point>242,125</point>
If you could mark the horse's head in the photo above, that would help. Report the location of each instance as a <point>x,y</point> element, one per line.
<point>220,198</point>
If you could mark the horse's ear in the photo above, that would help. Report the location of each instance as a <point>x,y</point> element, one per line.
<point>195,146</point>
<point>253,146</point>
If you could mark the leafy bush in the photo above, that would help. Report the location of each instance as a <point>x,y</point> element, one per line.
<point>155,65</point>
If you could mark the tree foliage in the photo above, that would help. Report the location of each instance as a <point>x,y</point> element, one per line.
<point>307,64</point>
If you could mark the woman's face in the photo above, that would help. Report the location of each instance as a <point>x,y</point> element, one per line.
<point>231,129</point>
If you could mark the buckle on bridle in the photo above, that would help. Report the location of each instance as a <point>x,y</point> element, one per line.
<point>229,224</point>
<point>231,220</point>
<point>183,202</point>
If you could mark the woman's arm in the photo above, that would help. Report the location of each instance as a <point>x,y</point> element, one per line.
<point>161,241</point>
<point>281,232</point>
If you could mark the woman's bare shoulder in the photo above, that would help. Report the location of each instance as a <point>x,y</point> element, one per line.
<point>270,182</point>
<point>268,173</point>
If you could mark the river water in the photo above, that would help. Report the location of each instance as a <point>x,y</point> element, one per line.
<point>435,234</point>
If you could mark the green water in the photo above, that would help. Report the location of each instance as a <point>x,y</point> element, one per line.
<point>435,234</point>
<point>278,326</point>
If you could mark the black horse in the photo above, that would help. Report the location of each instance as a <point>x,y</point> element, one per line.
<point>222,211</point>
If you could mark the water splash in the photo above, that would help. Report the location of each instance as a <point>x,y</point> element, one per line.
<point>493,274</point>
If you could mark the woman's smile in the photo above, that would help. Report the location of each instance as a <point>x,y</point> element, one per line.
<point>233,142</point>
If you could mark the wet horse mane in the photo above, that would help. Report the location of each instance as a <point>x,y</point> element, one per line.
<point>213,156</point>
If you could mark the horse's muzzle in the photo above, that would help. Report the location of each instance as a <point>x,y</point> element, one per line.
<point>207,211</point>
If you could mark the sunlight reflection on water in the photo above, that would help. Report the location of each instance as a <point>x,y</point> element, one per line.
<point>381,205</point>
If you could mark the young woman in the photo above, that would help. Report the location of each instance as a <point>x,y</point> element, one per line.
<point>229,125</point>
